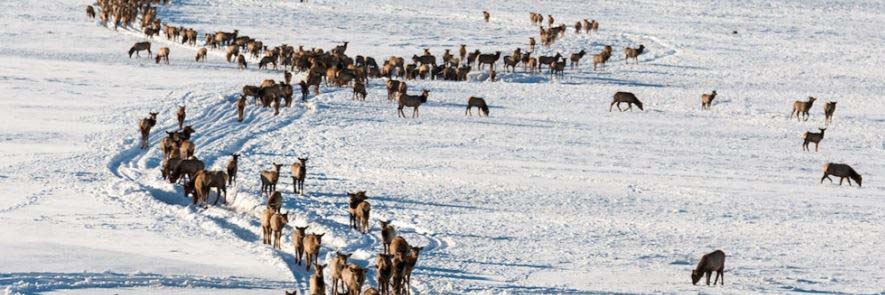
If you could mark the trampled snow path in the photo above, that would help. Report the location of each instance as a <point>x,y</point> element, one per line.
<point>628,201</point>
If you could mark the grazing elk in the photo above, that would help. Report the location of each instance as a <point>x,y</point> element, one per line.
<point>144,127</point>
<point>802,108</point>
<point>204,181</point>
<point>633,53</point>
<point>810,137</point>
<point>139,47</point>
<point>232,168</point>
<point>299,174</point>
<point>477,102</point>
<point>201,54</point>
<point>269,178</point>
<point>298,243</point>
<point>625,97</point>
<point>829,108</point>
<point>842,171</point>
<point>707,100</point>
<point>162,54</point>
<point>413,101</point>
<point>710,262</point>
<point>312,244</point>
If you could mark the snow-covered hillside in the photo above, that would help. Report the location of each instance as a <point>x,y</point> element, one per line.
<point>550,194</point>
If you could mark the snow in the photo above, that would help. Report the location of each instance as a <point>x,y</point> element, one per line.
<point>550,194</point>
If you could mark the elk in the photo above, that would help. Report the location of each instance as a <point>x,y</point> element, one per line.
<point>232,168</point>
<point>204,181</point>
<point>410,261</point>
<point>241,108</point>
<point>241,62</point>
<point>180,115</point>
<point>138,47</point>
<point>383,271</point>
<point>312,249</point>
<point>361,214</point>
<point>201,54</point>
<point>576,58</point>
<point>339,262</point>
<point>486,15</point>
<point>354,277</point>
<point>489,59</point>
<point>388,233</point>
<point>275,201</point>
<point>602,57</point>
<point>802,108</point>
<point>359,91</point>
<point>463,51</point>
<point>842,171</point>
<point>299,173</point>
<point>355,199</point>
<point>810,137</point>
<point>532,44</point>
<point>707,100</point>
<point>547,60</point>
<point>162,54</point>
<point>829,108</point>
<point>144,126</point>
<point>90,11</point>
<point>231,52</point>
<point>710,262</point>
<point>265,225</point>
<point>625,97</point>
<point>186,148</point>
<point>317,284</point>
<point>277,222</point>
<point>633,53</point>
<point>413,101</point>
<point>477,102</point>
<point>269,178</point>
<point>298,243</point>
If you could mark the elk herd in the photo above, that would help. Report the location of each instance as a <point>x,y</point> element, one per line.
<point>396,258</point>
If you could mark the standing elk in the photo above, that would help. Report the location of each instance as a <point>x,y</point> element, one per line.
<point>269,179</point>
<point>633,53</point>
<point>232,167</point>
<point>144,127</point>
<point>707,100</point>
<point>312,244</point>
<point>413,101</point>
<point>801,108</point>
<point>486,16</point>
<point>576,58</point>
<point>829,108</point>
<point>809,137</point>
<point>299,174</point>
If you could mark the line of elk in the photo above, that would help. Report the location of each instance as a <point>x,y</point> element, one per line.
<point>397,258</point>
